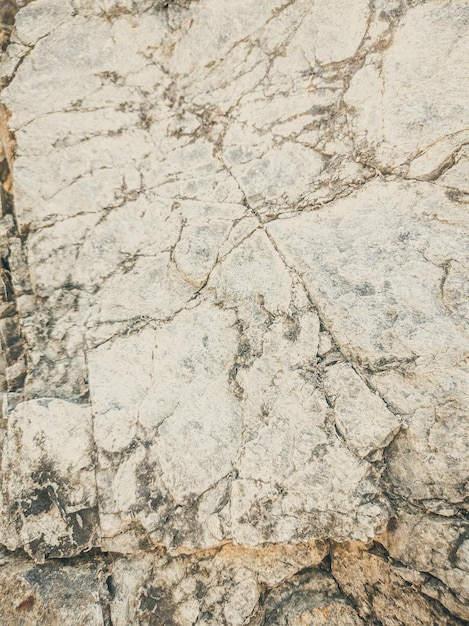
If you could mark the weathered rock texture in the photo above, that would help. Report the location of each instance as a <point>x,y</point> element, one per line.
<point>234,312</point>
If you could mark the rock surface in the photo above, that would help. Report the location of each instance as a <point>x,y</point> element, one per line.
<point>234,318</point>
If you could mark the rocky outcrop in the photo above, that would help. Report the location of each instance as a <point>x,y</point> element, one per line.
<point>234,312</point>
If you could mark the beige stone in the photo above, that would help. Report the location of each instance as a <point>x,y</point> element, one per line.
<point>233,312</point>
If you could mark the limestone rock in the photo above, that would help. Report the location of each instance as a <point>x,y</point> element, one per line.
<point>228,586</point>
<point>233,312</point>
<point>404,116</point>
<point>53,593</point>
<point>385,593</point>
<point>49,479</point>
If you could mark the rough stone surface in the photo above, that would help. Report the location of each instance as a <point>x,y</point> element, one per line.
<point>53,593</point>
<point>50,494</point>
<point>233,312</point>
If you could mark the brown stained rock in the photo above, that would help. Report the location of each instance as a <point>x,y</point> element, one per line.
<point>381,593</point>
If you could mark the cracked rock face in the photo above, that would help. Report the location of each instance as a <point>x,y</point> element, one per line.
<point>234,312</point>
